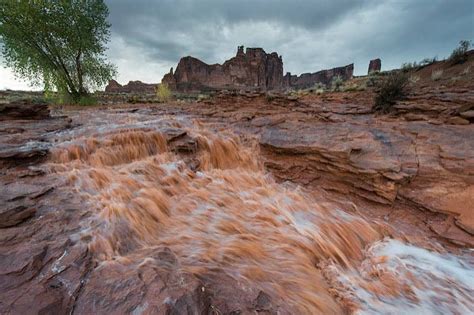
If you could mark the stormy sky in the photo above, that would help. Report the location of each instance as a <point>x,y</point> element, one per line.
<point>150,36</point>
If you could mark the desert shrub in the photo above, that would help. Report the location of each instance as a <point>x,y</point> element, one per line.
<point>318,88</point>
<point>436,74</point>
<point>87,100</point>
<point>391,89</point>
<point>414,79</point>
<point>203,97</point>
<point>459,54</point>
<point>373,79</point>
<point>428,61</point>
<point>409,66</point>
<point>163,92</point>
<point>64,98</point>
<point>269,97</point>
<point>336,83</point>
<point>351,88</point>
<point>133,99</point>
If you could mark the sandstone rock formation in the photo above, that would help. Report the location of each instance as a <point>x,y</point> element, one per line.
<point>24,109</point>
<point>22,124</point>
<point>130,87</point>
<point>307,80</point>
<point>253,68</point>
<point>375,65</point>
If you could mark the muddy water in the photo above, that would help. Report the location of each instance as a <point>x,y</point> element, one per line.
<point>219,211</point>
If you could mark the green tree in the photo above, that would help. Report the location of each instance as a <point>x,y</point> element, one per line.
<point>58,43</point>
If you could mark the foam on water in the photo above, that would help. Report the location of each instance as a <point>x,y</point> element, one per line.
<point>400,278</point>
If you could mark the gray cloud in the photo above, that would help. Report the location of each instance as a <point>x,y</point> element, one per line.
<point>149,37</point>
<point>310,34</point>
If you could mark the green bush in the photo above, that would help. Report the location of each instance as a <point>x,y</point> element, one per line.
<point>63,98</point>
<point>337,83</point>
<point>88,100</point>
<point>163,92</point>
<point>392,89</point>
<point>459,54</point>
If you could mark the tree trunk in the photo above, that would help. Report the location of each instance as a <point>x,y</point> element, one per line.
<point>80,80</point>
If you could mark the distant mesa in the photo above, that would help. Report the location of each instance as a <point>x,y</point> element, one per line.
<point>249,69</point>
<point>307,80</point>
<point>130,87</point>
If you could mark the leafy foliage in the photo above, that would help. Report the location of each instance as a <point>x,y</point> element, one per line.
<point>459,54</point>
<point>60,44</point>
<point>392,89</point>
<point>163,92</point>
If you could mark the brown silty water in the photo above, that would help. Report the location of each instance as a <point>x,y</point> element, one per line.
<point>219,211</point>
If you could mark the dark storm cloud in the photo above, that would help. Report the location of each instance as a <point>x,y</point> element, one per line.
<point>310,34</point>
<point>149,37</point>
<point>161,27</point>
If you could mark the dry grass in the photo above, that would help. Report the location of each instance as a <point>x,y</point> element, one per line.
<point>436,74</point>
<point>414,79</point>
<point>466,70</point>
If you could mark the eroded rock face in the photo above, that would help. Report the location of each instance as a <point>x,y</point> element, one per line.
<point>22,129</point>
<point>24,109</point>
<point>253,68</point>
<point>307,80</point>
<point>130,87</point>
<point>375,65</point>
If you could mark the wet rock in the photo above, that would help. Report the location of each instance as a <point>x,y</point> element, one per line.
<point>468,114</point>
<point>156,286</point>
<point>15,214</point>
<point>24,109</point>
<point>456,120</point>
<point>365,161</point>
<point>23,135</point>
<point>18,202</point>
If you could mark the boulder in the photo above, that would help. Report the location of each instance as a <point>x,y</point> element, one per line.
<point>24,109</point>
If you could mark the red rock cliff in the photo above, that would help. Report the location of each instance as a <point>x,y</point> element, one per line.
<point>325,77</point>
<point>253,68</point>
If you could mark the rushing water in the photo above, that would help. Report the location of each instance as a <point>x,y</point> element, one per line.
<point>222,211</point>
